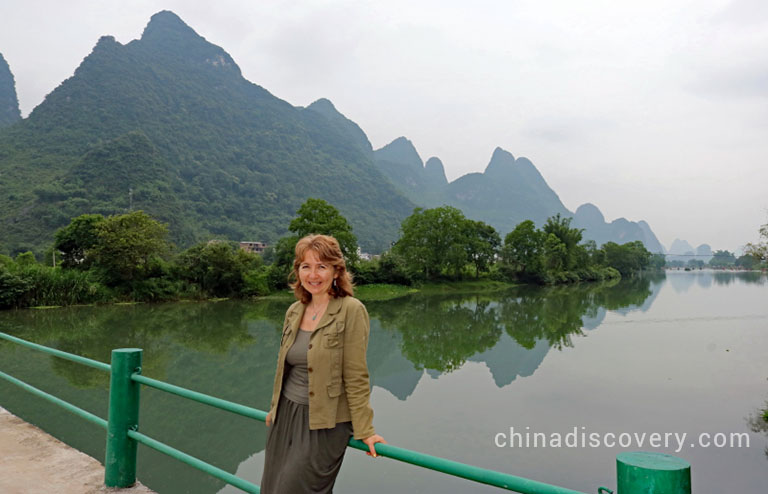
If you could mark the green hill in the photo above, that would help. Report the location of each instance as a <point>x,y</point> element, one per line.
<point>167,124</point>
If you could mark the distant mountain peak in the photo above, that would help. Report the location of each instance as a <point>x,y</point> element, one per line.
<point>588,212</point>
<point>9,102</point>
<point>323,104</point>
<point>164,23</point>
<point>167,35</point>
<point>435,170</point>
<point>401,150</point>
<point>501,161</point>
<point>325,107</point>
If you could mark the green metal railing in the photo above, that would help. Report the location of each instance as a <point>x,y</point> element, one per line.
<point>123,435</point>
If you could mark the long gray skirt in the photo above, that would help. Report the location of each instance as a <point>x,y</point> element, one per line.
<point>298,460</point>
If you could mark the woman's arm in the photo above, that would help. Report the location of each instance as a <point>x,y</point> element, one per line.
<point>355,370</point>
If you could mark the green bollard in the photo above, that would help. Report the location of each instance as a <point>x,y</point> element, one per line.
<point>652,473</point>
<point>120,461</point>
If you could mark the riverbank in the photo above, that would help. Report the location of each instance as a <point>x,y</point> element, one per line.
<point>34,462</point>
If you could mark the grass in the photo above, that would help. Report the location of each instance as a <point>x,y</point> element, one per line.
<point>467,286</point>
<point>382,291</point>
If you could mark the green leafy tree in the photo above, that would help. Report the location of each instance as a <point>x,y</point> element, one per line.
<point>219,268</point>
<point>433,241</point>
<point>657,261</point>
<point>126,244</point>
<point>747,262</point>
<point>316,216</point>
<point>627,258</point>
<point>283,254</point>
<point>523,252</point>
<point>76,239</point>
<point>569,237</point>
<point>482,244</point>
<point>722,259</point>
<point>555,253</point>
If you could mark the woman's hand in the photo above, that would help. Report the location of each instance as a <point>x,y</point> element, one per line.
<point>269,420</point>
<point>370,441</point>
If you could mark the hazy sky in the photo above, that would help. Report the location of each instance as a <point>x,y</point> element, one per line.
<point>654,110</point>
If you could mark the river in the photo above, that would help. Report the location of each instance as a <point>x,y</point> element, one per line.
<point>678,362</point>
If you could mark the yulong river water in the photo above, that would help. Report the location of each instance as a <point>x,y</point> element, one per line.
<point>685,353</point>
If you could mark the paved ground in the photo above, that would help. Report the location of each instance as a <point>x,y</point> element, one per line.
<point>32,462</point>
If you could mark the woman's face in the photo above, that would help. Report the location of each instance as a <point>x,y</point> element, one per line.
<point>315,275</point>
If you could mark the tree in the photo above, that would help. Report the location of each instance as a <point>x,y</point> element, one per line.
<point>316,216</point>
<point>126,244</point>
<point>433,241</point>
<point>482,244</point>
<point>76,239</point>
<point>722,258</point>
<point>524,250</point>
<point>759,250</point>
<point>219,268</point>
<point>570,237</point>
<point>627,258</point>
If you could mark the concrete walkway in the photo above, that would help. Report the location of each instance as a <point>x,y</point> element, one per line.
<point>33,462</point>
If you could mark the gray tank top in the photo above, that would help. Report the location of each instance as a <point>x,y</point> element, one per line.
<point>296,385</point>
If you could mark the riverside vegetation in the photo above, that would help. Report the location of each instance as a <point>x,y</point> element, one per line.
<point>128,257</point>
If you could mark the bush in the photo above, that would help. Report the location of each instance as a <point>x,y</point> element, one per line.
<point>256,282</point>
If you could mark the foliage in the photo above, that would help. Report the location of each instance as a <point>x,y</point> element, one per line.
<point>554,255</point>
<point>76,239</point>
<point>280,269</point>
<point>316,216</point>
<point>722,259</point>
<point>627,258</point>
<point>482,245</point>
<point>221,269</point>
<point>759,250</point>
<point>125,246</point>
<point>28,284</point>
<point>567,236</point>
<point>441,242</point>
<point>151,126</point>
<point>522,254</point>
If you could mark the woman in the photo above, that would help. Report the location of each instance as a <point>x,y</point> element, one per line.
<point>321,393</point>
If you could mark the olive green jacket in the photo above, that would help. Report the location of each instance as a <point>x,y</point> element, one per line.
<point>339,390</point>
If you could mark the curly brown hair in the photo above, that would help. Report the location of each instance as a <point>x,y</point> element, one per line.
<point>328,250</point>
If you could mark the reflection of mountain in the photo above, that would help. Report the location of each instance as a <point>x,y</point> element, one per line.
<point>508,360</point>
<point>387,366</point>
<point>681,281</point>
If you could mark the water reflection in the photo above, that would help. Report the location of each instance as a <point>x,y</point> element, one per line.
<point>440,333</point>
<point>228,349</point>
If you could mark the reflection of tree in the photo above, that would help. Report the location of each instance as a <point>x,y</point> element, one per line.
<point>226,349</point>
<point>441,332</point>
<point>758,423</point>
<point>94,332</point>
<point>555,313</point>
<point>550,313</point>
<point>748,277</point>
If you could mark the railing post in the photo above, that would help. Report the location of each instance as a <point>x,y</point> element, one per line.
<point>652,473</point>
<point>120,461</point>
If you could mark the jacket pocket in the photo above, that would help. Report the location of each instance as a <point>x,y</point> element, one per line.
<point>334,390</point>
<point>334,337</point>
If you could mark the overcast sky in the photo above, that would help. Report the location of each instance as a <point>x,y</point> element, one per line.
<point>654,110</point>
